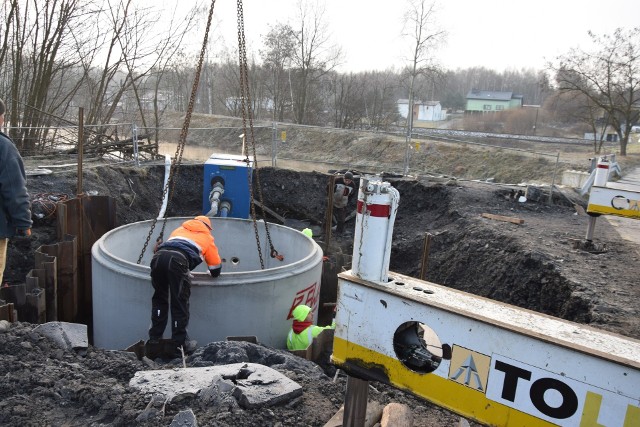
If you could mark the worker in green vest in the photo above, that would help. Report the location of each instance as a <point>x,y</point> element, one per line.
<point>303,330</point>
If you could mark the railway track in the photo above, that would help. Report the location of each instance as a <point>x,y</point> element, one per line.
<point>464,135</point>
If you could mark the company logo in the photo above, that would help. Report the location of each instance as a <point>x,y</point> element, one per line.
<point>308,296</point>
<point>556,398</point>
<point>622,203</point>
<point>469,368</point>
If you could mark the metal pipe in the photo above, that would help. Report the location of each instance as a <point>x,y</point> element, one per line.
<point>274,143</point>
<point>426,247</point>
<point>591,227</point>
<point>80,147</point>
<point>329,215</point>
<point>553,180</point>
<point>134,138</point>
<point>225,208</point>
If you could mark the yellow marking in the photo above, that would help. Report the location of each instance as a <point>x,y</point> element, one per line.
<point>591,410</point>
<point>632,418</point>
<point>608,210</point>
<point>449,394</point>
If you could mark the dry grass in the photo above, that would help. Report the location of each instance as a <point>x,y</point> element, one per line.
<point>510,161</point>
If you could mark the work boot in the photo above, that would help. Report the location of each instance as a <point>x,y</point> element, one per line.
<point>189,346</point>
<point>153,349</point>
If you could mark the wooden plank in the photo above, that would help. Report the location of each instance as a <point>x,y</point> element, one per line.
<point>503,218</point>
<point>269,211</point>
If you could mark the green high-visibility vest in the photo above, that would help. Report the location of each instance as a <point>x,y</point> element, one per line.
<point>303,340</point>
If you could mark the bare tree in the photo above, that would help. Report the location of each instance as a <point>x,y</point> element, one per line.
<point>381,107</point>
<point>314,55</point>
<point>364,100</point>
<point>420,27</point>
<point>36,38</point>
<point>280,43</point>
<point>574,108</point>
<point>64,53</point>
<point>349,100</point>
<point>608,75</point>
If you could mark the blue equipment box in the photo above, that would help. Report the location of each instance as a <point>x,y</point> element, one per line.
<point>230,171</point>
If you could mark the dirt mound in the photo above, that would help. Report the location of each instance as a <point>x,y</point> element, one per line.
<point>43,384</point>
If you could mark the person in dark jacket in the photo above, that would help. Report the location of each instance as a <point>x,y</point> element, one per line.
<point>343,189</point>
<point>186,248</point>
<point>15,209</point>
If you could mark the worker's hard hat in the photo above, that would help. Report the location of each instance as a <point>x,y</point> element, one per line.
<point>205,220</point>
<point>307,232</point>
<point>301,312</point>
<point>348,175</point>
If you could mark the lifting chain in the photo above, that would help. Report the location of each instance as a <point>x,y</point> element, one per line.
<point>177,158</point>
<point>247,111</point>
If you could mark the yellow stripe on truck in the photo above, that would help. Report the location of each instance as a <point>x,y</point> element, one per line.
<point>468,402</point>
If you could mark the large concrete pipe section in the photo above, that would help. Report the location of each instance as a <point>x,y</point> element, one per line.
<point>244,301</point>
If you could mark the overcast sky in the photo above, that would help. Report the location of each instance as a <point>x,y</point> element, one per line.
<point>497,34</point>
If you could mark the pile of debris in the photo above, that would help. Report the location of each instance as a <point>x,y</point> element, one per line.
<point>51,376</point>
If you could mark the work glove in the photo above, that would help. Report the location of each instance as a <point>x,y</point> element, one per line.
<point>20,232</point>
<point>215,272</point>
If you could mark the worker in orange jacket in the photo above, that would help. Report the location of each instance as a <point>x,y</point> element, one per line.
<point>186,248</point>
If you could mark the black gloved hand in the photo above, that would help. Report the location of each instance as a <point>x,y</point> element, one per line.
<point>215,272</point>
<point>20,232</point>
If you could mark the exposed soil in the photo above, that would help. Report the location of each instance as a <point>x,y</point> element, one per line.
<point>531,265</point>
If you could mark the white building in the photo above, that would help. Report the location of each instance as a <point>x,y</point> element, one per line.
<point>427,111</point>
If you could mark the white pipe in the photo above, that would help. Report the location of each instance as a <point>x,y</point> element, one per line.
<point>602,172</point>
<point>395,202</point>
<point>165,200</point>
<point>214,198</point>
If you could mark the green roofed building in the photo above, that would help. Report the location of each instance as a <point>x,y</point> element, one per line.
<point>488,101</point>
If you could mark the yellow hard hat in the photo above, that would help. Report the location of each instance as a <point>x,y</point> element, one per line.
<point>307,232</point>
<point>301,312</point>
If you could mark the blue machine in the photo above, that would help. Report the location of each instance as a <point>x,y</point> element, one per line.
<point>226,186</point>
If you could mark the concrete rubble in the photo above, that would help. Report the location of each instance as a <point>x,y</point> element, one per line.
<point>184,419</point>
<point>252,385</point>
<point>68,336</point>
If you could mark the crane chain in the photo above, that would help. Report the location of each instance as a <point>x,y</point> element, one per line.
<point>247,110</point>
<point>177,158</point>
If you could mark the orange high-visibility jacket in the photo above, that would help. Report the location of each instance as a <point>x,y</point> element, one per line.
<point>196,234</point>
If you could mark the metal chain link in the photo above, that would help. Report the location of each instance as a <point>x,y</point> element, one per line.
<point>247,110</point>
<point>177,158</point>
<point>242,64</point>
